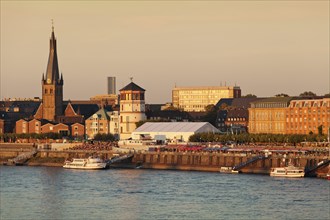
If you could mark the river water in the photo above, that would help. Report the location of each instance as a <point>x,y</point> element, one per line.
<point>57,193</point>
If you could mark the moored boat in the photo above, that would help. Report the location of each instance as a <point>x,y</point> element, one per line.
<point>289,171</point>
<point>228,170</point>
<point>91,163</point>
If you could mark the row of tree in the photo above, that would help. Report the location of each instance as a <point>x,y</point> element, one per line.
<point>257,138</point>
<point>306,94</point>
<point>12,137</point>
<point>104,137</point>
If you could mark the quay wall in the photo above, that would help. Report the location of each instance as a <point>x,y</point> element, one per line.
<point>190,161</point>
<point>213,161</point>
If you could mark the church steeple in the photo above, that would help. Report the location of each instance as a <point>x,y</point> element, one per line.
<point>52,85</point>
<point>52,72</point>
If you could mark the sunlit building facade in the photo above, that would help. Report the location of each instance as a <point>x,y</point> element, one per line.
<point>306,116</point>
<point>268,115</point>
<point>287,115</point>
<point>195,99</point>
<point>132,109</point>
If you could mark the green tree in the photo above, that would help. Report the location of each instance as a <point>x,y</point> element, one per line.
<point>250,96</point>
<point>308,94</point>
<point>211,114</point>
<point>319,130</point>
<point>282,95</point>
<point>104,137</point>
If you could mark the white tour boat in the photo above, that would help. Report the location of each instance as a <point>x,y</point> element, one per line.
<point>91,163</point>
<point>289,171</point>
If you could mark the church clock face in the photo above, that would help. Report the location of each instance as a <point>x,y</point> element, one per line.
<point>48,80</point>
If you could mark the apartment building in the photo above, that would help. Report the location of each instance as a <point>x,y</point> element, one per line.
<point>307,115</point>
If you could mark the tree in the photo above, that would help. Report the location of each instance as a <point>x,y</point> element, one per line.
<point>282,95</point>
<point>319,129</point>
<point>104,137</point>
<point>211,114</point>
<point>249,96</point>
<point>308,94</point>
<point>223,106</point>
<point>327,95</point>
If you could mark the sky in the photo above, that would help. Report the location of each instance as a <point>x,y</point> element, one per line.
<point>265,47</point>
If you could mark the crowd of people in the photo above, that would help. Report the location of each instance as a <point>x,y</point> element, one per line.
<point>97,146</point>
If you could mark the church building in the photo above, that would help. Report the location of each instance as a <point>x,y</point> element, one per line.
<point>52,110</point>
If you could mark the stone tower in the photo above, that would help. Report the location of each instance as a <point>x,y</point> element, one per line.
<point>132,109</point>
<point>52,85</point>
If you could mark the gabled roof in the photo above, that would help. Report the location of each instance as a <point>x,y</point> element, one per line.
<point>238,113</point>
<point>102,113</point>
<point>69,111</point>
<point>132,87</point>
<point>85,110</point>
<point>176,127</point>
<point>61,124</point>
<point>274,99</point>
<point>243,102</point>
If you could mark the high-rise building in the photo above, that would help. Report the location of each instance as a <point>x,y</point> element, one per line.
<point>52,85</point>
<point>111,85</point>
<point>195,99</point>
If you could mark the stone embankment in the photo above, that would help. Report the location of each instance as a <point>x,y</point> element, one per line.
<point>189,161</point>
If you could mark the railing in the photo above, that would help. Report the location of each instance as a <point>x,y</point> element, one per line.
<point>252,160</point>
<point>24,156</point>
<point>318,166</point>
<point>120,158</point>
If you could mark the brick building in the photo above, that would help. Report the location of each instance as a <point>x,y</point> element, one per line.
<point>52,114</point>
<point>289,115</point>
<point>2,126</point>
<point>233,114</point>
<point>307,115</point>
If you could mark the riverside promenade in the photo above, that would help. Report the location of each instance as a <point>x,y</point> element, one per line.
<point>247,159</point>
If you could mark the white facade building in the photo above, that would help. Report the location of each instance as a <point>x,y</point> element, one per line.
<point>174,131</point>
<point>103,122</point>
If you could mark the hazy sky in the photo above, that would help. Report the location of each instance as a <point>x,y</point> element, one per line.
<point>265,47</point>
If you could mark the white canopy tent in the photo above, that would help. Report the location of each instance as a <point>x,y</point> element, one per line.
<point>180,131</point>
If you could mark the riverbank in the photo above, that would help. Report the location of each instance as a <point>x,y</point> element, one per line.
<point>189,161</point>
<point>49,162</point>
<point>257,161</point>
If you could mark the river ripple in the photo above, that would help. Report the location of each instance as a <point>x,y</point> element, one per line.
<point>56,193</point>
